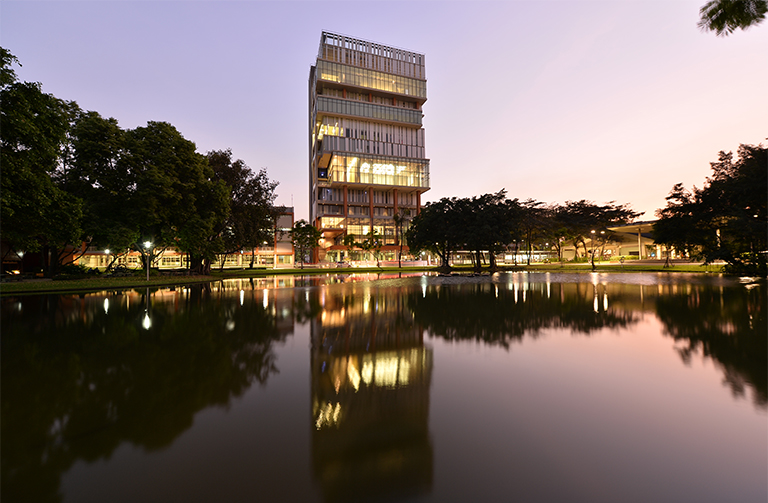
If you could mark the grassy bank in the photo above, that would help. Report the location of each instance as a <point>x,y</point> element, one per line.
<point>97,283</point>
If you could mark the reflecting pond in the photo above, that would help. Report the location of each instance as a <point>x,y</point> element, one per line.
<point>513,387</point>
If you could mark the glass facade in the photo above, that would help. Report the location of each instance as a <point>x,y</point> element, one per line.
<point>331,223</point>
<point>394,171</point>
<point>370,79</point>
<point>358,226</point>
<point>368,110</point>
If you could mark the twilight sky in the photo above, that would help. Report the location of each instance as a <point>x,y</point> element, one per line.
<point>612,100</point>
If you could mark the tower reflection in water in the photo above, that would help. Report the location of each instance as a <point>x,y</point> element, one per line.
<point>371,377</point>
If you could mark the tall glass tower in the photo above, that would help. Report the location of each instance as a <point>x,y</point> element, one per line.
<point>367,165</point>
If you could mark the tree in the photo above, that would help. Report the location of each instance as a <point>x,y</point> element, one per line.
<point>677,227</point>
<point>372,244</point>
<point>89,171</point>
<point>533,222</point>
<point>557,230</point>
<point>71,176</point>
<point>401,219</point>
<point>36,214</point>
<point>252,213</point>
<point>7,73</point>
<point>484,223</point>
<point>304,236</point>
<point>432,230</point>
<point>350,241</point>
<point>577,219</point>
<point>726,219</point>
<point>173,196</point>
<point>725,16</point>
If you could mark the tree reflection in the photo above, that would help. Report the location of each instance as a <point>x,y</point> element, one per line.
<point>81,375</point>
<point>502,313</point>
<point>727,325</point>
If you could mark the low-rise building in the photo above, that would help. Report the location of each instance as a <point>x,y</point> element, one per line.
<point>277,254</point>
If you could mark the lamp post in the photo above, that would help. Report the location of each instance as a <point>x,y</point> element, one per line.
<point>593,249</point>
<point>148,248</point>
<point>602,244</point>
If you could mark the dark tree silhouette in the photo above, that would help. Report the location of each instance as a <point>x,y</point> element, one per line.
<point>726,219</point>
<point>725,16</point>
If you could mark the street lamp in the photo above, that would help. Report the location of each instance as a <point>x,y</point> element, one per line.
<point>602,243</point>
<point>20,255</point>
<point>148,248</point>
<point>593,249</point>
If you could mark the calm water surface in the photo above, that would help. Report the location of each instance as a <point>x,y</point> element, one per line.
<point>519,387</point>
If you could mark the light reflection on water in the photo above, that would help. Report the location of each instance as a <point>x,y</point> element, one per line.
<point>520,386</point>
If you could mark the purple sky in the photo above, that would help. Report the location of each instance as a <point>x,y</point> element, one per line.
<point>552,100</point>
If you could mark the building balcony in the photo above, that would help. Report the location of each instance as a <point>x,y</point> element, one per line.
<point>371,80</point>
<point>384,113</point>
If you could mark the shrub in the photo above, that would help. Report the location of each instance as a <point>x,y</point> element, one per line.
<point>74,270</point>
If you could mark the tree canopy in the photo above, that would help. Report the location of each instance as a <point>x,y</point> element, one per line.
<point>725,16</point>
<point>36,213</point>
<point>305,237</point>
<point>253,215</point>
<point>726,219</point>
<point>492,222</point>
<point>431,230</point>
<point>72,176</point>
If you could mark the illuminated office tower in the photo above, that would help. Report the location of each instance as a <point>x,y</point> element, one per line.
<point>366,142</point>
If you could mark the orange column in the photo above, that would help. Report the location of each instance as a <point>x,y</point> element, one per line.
<point>394,209</point>
<point>370,207</point>
<point>346,211</point>
<point>418,203</point>
<point>394,194</point>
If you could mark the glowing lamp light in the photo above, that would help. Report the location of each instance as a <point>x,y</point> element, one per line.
<point>147,246</point>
